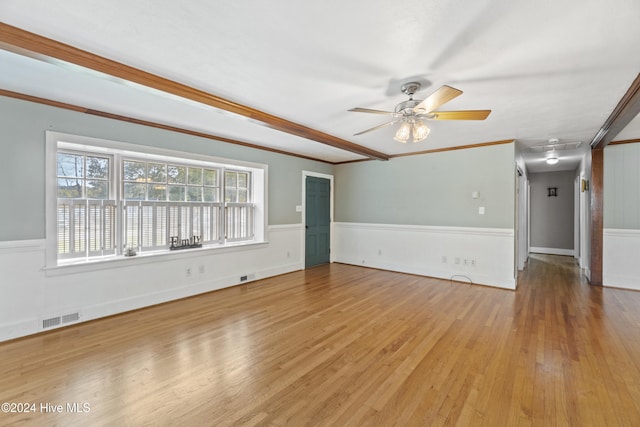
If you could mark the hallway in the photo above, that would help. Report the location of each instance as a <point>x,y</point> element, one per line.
<point>584,344</point>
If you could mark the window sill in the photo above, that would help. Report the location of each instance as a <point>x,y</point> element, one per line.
<point>118,261</point>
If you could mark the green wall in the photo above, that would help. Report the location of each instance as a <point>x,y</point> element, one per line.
<point>622,186</point>
<point>430,189</point>
<point>22,176</point>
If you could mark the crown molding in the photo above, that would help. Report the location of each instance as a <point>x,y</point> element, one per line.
<point>77,108</point>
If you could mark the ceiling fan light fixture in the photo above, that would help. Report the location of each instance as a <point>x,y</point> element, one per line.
<point>412,113</point>
<point>403,133</point>
<point>420,131</point>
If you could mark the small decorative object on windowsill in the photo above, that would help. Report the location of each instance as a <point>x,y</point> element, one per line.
<point>553,192</point>
<point>193,242</point>
<point>130,251</point>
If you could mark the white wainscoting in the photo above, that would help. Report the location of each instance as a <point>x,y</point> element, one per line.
<point>31,294</point>
<point>621,258</point>
<point>422,250</point>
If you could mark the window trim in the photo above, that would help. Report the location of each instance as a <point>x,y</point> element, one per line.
<point>56,140</point>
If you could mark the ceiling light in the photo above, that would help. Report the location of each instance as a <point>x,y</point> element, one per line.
<point>412,127</point>
<point>420,131</point>
<point>402,135</point>
<point>552,160</point>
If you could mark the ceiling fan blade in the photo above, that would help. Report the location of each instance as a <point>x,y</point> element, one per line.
<point>378,127</point>
<point>368,110</point>
<point>461,115</point>
<point>436,99</point>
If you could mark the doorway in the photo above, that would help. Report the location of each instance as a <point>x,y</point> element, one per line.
<point>318,208</point>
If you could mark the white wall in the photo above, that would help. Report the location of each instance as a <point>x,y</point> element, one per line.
<point>621,258</point>
<point>433,251</point>
<point>37,293</point>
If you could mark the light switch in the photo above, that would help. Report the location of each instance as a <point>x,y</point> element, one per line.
<point>481,210</point>
<point>475,195</point>
<point>298,208</point>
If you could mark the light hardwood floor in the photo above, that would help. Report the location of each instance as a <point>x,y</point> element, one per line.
<point>344,345</point>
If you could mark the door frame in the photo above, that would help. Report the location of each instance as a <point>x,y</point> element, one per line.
<point>576,218</point>
<point>303,246</point>
<point>522,221</point>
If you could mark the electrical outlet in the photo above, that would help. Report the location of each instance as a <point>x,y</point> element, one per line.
<point>188,271</point>
<point>444,259</point>
<point>457,260</point>
<point>466,261</point>
<point>288,254</point>
<point>473,263</point>
<point>379,251</point>
<point>201,269</point>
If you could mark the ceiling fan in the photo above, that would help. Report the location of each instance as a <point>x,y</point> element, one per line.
<point>413,112</point>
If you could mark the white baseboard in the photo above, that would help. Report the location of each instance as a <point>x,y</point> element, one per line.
<point>552,251</point>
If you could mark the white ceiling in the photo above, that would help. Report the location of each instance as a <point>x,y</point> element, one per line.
<point>546,69</point>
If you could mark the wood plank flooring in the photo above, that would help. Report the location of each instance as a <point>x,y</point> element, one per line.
<point>342,345</point>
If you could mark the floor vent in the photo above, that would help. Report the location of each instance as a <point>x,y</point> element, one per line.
<point>49,323</point>
<point>73,317</point>
<point>60,320</point>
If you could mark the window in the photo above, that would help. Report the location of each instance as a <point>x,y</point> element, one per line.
<point>168,200</point>
<point>85,209</point>
<point>239,210</point>
<point>109,198</point>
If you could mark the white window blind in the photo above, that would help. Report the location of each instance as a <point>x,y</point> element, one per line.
<point>239,221</point>
<point>86,227</point>
<point>151,225</point>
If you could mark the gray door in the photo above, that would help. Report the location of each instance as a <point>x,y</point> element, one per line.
<point>317,221</point>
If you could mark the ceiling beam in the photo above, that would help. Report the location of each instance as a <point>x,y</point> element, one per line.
<point>626,110</point>
<point>18,40</point>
